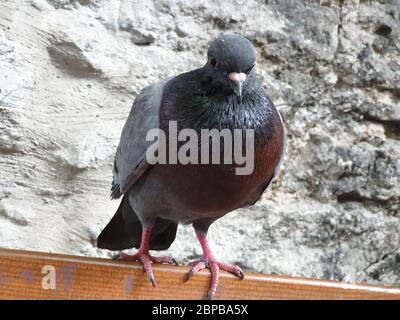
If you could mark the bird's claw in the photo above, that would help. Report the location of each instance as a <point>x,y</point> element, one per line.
<point>153,281</point>
<point>147,260</point>
<point>196,266</point>
<point>214,267</point>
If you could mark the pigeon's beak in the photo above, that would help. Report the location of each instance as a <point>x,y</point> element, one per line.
<point>236,79</point>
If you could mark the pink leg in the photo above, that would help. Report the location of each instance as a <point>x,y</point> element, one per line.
<point>208,261</point>
<point>144,256</point>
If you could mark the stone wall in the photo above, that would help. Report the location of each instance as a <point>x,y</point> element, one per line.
<point>69,71</point>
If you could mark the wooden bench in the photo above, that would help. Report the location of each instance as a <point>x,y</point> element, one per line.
<point>35,275</point>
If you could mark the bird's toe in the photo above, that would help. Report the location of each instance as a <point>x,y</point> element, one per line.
<point>231,269</point>
<point>126,257</point>
<point>196,267</point>
<point>165,259</point>
<point>214,268</point>
<point>147,260</point>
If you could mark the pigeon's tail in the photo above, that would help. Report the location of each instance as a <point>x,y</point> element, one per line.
<point>124,231</point>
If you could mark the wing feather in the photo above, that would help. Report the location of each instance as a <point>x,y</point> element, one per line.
<point>130,158</point>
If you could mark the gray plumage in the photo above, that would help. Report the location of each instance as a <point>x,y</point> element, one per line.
<point>130,159</point>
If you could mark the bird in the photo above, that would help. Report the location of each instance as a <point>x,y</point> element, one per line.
<point>224,94</point>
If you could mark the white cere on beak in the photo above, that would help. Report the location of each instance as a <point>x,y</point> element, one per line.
<point>237,76</point>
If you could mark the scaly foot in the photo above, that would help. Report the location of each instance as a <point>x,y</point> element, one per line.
<point>214,267</point>
<point>147,260</point>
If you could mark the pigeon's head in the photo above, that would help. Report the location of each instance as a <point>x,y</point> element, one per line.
<point>231,58</point>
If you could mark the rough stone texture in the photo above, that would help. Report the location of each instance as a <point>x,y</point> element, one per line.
<point>69,71</point>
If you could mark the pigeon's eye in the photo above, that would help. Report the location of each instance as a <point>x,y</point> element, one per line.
<point>213,62</point>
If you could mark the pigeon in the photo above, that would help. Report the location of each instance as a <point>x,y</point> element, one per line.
<point>224,94</point>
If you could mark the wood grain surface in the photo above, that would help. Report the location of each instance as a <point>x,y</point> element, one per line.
<point>35,275</point>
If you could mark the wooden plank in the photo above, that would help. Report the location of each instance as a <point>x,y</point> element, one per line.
<point>28,275</point>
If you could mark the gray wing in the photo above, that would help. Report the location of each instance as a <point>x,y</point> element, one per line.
<point>130,159</point>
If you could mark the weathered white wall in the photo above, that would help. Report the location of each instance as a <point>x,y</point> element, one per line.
<point>69,71</point>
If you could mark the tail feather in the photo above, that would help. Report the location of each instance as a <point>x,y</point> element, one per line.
<point>124,231</point>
